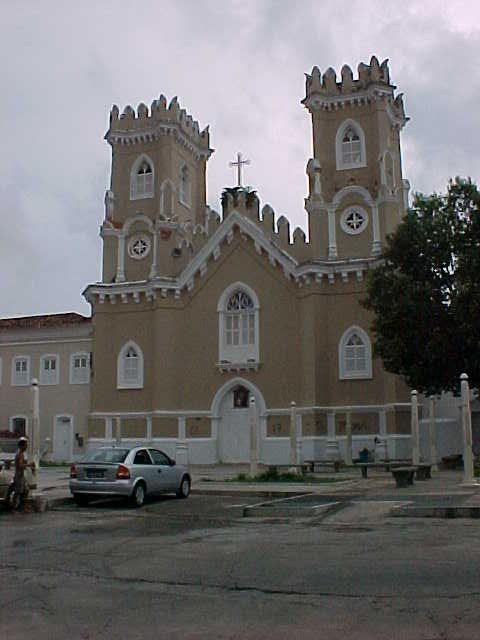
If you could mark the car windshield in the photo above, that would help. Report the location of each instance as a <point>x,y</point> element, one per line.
<point>107,455</point>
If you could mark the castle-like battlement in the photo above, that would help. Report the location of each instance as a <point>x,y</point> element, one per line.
<point>131,126</point>
<point>324,92</point>
<point>326,84</point>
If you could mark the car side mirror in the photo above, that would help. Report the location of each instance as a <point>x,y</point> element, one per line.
<point>172,463</point>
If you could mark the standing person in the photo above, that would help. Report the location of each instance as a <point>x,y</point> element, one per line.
<point>20,483</point>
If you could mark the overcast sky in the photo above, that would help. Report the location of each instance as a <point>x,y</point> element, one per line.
<point>235,65</point>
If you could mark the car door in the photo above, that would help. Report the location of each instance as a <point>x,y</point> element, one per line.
<point>143,467</point>
<point>166,476</point>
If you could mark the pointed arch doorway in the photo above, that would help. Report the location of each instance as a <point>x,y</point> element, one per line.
<point>231,414</point>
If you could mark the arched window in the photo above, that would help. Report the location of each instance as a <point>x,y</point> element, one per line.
<point>355,354</point>
<point>184,191</point>
<point>350,146</point>
<point>141,179</point>
<point>130,367</point>
<point>238,325</point>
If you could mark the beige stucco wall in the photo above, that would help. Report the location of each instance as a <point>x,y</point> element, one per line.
<point>62,399</point>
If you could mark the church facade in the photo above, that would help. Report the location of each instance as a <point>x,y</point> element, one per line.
<point>197,315</point>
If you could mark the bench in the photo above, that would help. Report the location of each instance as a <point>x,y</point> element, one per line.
<point>303,468</point>
<point>330,464</point>
<point>404,476</point>
<point>424,471</point>
<point>364,466</point>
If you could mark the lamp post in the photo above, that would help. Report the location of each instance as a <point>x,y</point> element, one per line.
<point>293,434</point>
<point>432,433</point>
<point>468,477</point>
<point>415,436</point>
<point>34,439</point>
<point>253,439</point>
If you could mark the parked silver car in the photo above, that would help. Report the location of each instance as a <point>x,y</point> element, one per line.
<point>131,473</point>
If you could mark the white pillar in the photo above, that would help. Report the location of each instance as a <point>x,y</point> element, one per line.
<point>253,438</point>
<point>376,247</point>
<point>153,268</point>
<point>118,430</point>
<point>34,439</point>
<point>149,428</point>
<point>468,477</point>
<point>415,438</point>
<point>432,433</point>
<point>381,452</point>
<point>120,277</point>
<point>293,434</point>
<point>332,451</point>
<point>108,429</point>
<point>348,431</point>
<point>332,234</point>
<point>181,447</point>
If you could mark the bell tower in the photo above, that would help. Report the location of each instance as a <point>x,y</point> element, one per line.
<point>357,194</point>
<point>157,188</point>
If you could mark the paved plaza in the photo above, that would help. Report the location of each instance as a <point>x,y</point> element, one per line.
<point>198,568</point>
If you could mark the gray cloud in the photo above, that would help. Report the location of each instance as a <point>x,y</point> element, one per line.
<point>238,66</point>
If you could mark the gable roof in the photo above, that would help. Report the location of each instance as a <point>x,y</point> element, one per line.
<point>44,321</point>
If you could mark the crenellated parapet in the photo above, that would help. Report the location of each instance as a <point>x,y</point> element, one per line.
<point>148,125</point>
<point>326,92</point>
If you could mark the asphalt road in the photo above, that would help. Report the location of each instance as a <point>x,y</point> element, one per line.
<point>195,569</point>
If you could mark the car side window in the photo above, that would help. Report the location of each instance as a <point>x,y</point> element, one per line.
<point>142,457</point>
<point>159,457</point>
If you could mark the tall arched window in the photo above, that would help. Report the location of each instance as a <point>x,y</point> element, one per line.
<point>350,146</point>
<point>185,188</point>
<point>238,325</point>
<point>130,367</point>
<point>355,354</point>
<point>142,179</point>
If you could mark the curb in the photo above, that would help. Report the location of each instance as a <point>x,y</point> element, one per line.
<point>437,512</point>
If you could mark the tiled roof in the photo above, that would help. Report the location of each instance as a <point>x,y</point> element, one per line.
<point>40,322</point>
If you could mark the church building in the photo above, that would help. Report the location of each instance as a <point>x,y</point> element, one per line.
<point>198,314</point>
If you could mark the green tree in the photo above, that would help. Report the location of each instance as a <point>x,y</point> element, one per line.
<point>425,293</point>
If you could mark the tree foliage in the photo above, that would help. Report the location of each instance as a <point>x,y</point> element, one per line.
<point>425,294</point>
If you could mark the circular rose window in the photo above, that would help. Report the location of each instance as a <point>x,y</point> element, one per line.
<point>139,247</point>
<point>354,220</point>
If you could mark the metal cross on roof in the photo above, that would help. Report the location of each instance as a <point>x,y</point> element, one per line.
<point>239,164</point>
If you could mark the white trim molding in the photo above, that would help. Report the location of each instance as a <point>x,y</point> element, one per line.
<point>20,378</point>
<point>342,162</point>
<point>80,374</point>
<point>51,374</point>
<point>130,379</point>
<point>361,352</point>
<point>147,189</point>
<point>243,321</point>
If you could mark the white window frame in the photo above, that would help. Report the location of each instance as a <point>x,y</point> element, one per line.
<point>47,378</point>
<point>363,374</point>
<point>185,186</point>
<point>19,415</point>
<point>74,377</point>
<point>242,353</point>
<point>15,380</point>
<point>346,213</point>
<point>135,193</point>
<point>341,165</point>
<point>122,381</point>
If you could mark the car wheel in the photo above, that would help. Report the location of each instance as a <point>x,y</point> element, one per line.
<point>184,488</point>
<point>138,496</point>
<point>81,499</point>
